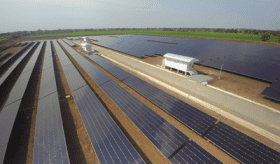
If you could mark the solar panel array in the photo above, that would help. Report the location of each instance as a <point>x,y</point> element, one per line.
<point>192,117</point>
<point>49,145</point>
<point>7,118</point>
<point>193,153</point>
<point>109,142</point>
<point>273,91</point>
<point>64,60</point>
<point>20,86</point>
<point>242,147</point>
<point>69,42</point>
<point>49,142</point>
<point>13,66</point>
<point>197,120</point>
<point>160,132</point>
<point>110,145</point>
<point>257,61</point>
<point>9,112</point>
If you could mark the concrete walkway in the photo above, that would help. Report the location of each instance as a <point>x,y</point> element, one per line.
<point>259,119</point>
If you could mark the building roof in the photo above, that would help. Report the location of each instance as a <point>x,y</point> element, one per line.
<point>180,57</point>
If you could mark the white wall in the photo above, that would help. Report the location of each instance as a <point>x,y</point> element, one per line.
<point>182,66</point>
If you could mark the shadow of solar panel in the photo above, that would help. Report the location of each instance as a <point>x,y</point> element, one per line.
<point>49,141</point>
<point>193,153</point>
<point>160,132</point>
<point>195,119</point>
<point>48,83</point>
<point>240,146</point>
<point>109,142</point>
<point>73,77</point>
<point>19,88</point>
<point>7,118</point>
<point>96,74</point>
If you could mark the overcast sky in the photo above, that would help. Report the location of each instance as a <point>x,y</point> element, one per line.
<point>30,15</point>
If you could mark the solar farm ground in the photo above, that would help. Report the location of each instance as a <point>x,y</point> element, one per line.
<point>20,148</point>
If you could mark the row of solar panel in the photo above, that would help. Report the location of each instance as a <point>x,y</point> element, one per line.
<point>69,42</point>
<point>256,61</point>
<point>9,112</point>
<point>110,144</point>
<point>6,69</point>
<point>161,133</point>
<point>49,142</point>
<point>273,91</point>
<point>235,148</point>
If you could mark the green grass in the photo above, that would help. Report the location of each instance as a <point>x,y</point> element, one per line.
<point>4,37</point>
<point>237,36</point>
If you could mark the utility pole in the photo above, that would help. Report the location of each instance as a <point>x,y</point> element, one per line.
<point>221,71</point>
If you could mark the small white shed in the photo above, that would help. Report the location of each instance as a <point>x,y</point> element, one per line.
<point>181,63</point>
<point>87,47</point>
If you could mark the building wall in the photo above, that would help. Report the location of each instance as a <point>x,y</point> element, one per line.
<point>182,66</point>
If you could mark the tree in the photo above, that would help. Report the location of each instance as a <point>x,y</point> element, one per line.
<point>265,37</point>
<point>278,38</point>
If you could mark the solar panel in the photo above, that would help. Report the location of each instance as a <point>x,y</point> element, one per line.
<point>272,93</point>
<point>73,77</point>
<point>257,61</point>
<point>13,66</point>
<point>64,60</point>
<point>48,50</point>
<point>240,146</point>
<point>193,153</point>
<point>49,141</point>
<point>32,61</point>
<point>7,118</point>
<point>19,88</point>
<point>109,142</point>
<point>69,42</point>
<point>81,60</point>
<point>96,74</point>
<point>70,50</point>
<point>48,83</point>
<point>119,73</point>
<point>197,120</point>
<point>160,132</point>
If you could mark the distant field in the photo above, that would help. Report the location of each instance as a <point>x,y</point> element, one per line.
<point>237,36</point>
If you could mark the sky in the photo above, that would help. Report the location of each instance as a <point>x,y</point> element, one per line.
<point>31,15</point>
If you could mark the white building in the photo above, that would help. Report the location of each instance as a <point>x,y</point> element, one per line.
<point>87,47</point>
<point>181,63</point>
<point>85,39</point>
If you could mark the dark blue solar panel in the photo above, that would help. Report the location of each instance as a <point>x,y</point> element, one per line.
<point>69,42</point>
<point>19,88</point>
<point>81,60</point>
<point>4,76</point>
<point>193,153</point>
<point>109,142</point>
<point>160,132</point>
<point>188,115</point>
<point>242,147</point>
<point>7,118</point>
<point>73,77</point>
<point>96,74</point>
<point>258,61</point>
<point>94,57</point>
<point>49,141</point>
<point>69,49</point>
<point>48,83</point>
<point>63,58</point>
<point>272,92</point>
<point>31,63</point>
